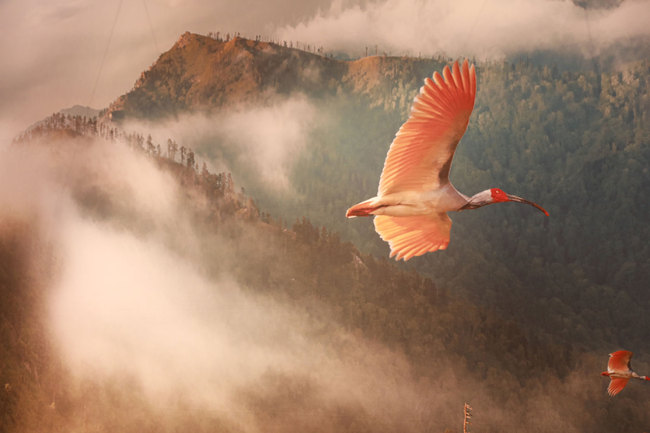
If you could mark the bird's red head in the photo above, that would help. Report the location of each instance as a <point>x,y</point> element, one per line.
<point>498,196</point>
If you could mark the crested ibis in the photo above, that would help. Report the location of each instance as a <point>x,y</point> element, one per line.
<point>620,371</point>
<point>415,193</point>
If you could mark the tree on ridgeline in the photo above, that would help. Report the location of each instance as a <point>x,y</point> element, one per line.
<point>190,159</point>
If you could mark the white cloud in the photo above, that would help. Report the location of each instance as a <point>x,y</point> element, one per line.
<point>126,307</point>
<point>470,27</point>
<point>57,54</point>
<point>130,307</point>
<point>65,52</point>
<point>262,141</point>
<point>271,137</point>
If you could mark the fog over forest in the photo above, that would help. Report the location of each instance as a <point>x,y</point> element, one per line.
<point>148,304</point>
<point>180,259</point>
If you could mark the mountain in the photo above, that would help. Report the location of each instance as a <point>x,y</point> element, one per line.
<point>574,141</point>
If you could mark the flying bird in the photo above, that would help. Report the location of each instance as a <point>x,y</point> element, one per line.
<point>620,371</point>
<point>415,193</point>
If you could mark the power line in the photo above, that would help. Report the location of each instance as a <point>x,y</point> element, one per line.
<point>153,35</point>
<point>101,65</point>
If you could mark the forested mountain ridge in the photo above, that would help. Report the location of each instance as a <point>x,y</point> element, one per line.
<point>449,345</point>
<point>576,142</point>
<point>204,73</point>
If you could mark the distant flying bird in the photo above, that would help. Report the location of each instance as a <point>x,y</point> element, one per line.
<point>620,371</point>
<point>415,193</point>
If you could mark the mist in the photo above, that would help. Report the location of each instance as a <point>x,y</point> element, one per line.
<point>87,52</point>
<point>127,306</point>
<point>484,30</point>
<point>146,315</point>
<point>260,144</point>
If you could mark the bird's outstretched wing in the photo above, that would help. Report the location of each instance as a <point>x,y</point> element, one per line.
<point>619,361</point>
<point>414,235</point>
<point>420,156</point>
<point>616,385</point>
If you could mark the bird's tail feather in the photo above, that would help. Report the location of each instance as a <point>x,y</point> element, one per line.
<point>362,209</point>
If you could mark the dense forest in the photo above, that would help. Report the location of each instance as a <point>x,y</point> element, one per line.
<point>575,142</point>
<point>426,347</point>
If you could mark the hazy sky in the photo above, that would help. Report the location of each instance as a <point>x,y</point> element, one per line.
<point>59,53</point>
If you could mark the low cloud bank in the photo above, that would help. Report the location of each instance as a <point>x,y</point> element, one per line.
<point>257,143</point>
<point>137,319</point>
<point>476,28</point>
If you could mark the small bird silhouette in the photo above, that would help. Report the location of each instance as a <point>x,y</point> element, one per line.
<point>620,371</point>
<point>415,193</point>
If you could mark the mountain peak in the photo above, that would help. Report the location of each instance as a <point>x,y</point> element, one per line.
<point>80,110</point>
<point>205,72</point>
<point>185,39</point>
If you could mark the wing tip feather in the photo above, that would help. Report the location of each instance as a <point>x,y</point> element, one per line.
<point>444,102</point>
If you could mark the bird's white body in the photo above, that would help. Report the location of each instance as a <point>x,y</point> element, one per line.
<point>624,375</point>
<point>410,203</point>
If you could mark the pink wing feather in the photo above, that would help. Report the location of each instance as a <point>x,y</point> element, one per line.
<point>414,235</point>
<point>619,361</point>
<point>419,159</point>
<point>420,156</point>
<point>616,385</point>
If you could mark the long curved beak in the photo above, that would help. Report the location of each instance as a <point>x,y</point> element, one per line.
<point>523,200</point>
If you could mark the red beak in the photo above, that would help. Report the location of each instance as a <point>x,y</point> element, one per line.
<point>523,200</point>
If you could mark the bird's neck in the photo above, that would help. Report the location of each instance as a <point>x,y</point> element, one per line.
<point>478,200</point>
